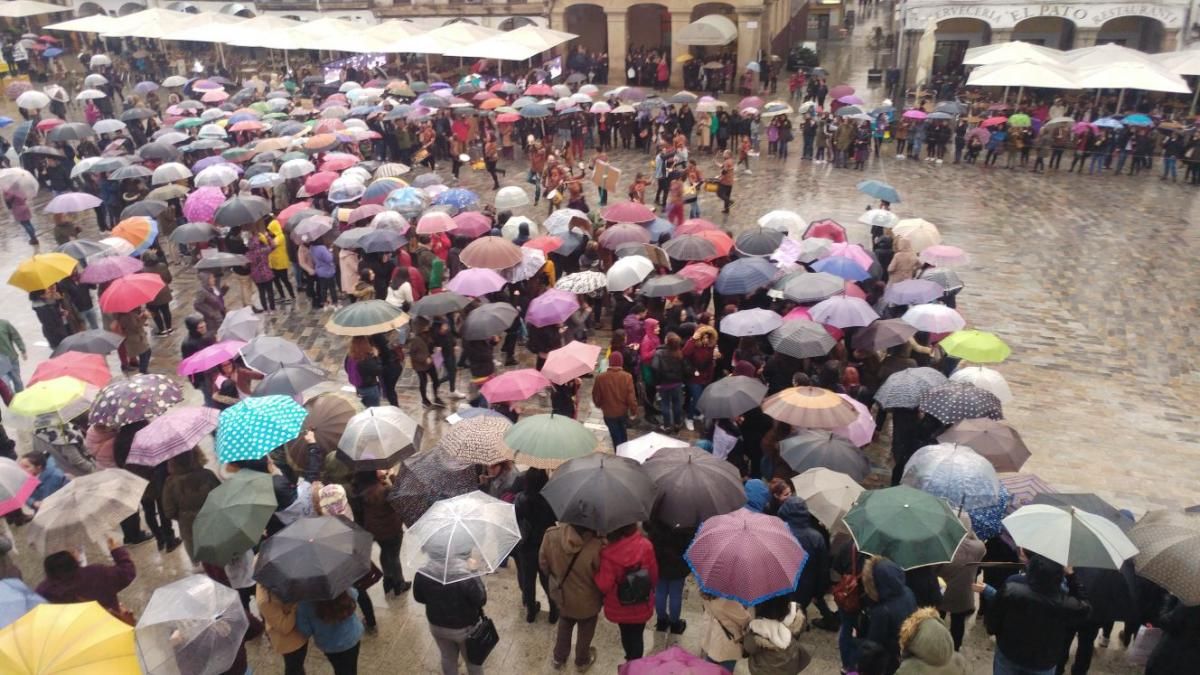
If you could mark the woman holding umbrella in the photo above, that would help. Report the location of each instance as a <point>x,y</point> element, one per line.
<point>132,325</point>
<point>627,576</point>
<point>335,628</point>
<point>384,524</point>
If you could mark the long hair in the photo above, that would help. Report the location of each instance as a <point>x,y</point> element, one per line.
<point>361,348</point>
<point>336,610</point>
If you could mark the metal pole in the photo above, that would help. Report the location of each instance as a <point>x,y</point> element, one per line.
<point>1120,100</point>
<point>1195,96</point>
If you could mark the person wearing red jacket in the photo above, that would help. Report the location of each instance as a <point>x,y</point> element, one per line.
<point>628,592</point>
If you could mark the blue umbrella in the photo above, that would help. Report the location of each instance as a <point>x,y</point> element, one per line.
<point>52,52</point>
<point>5,121</point>
<point>16,599</point>
<point>254,427</point>
<point>879,190</point>
<point>1138,120</point>
<point>21,134</point>
<point>409,202</point>
<point>460,198</point>
<point>1108,123</point>
<point>745,275</point>
<point>965,479</point>
<point>363,110</point>
<point>535,111</point>
<point>242,117</point>
<point>659,227</point>
<point>842,267</point>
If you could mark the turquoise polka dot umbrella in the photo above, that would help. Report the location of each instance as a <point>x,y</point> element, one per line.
<point>256,426</point>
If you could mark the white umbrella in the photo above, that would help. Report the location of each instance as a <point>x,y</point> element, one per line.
<point>296,168</point>
<point>1070,536</point>
<point>19,182</point>
<point>512,228</point>
<point>1131,75</point>
<point>628,272</point>
<point>1006,52</point>
<point>212,131</point>
<point>643,448</point>
<point>90,94</point>
<point>986,379</point>
<point>97,23</point>
<point>1186,62</point>
<point>919,232</point>
<point>99,60</point>
<point>57,93</point>
<point>511,197</point>
<point>108,126</point>
<point>33,100</point>
<point>169,173</point>
<point>934,318</point>
<point>16,9</point>
<point>217,175</point>
<point>879,218</point>
<point>1104,55</point>
<point>461,538</point>
<point>174,81</point>
<point>1024,73</point>
<point>788,222</point>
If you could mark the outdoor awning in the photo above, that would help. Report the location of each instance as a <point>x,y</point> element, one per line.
<point>449,37</point>
<point>499,48</point>
<point>340,35</point>
<point>1103,55</point>
<point>542,38</point>
<point>207,27</point>
<point>15,9</point>
<point>96,23</point>
<point>265,30</point>
<point>1012,51</point>
<point>1146,76</point>
<point>149,23</point>
<point>1186,62</point>
<point>713,30</point>
<point>1025,73</point>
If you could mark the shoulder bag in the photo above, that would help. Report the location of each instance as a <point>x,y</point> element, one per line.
<point>847,593</point>
<point>482,639</point>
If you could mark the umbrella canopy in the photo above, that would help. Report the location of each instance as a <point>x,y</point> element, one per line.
<point>643,447</point>
<point>674,659</point>
<point>667,285</point>
<point>815,449</point>
<point>441,304</point>
<point>253,427</point>
<point>810,408</point>
<point>193,625</point>
<point>233,516</point>
<point>15,486</point>
<point>843,311</point>
<point>575,359</point>
<point>963,478</point>
<point>90,368</point>
<point>804,287</point>
<point>905,388</point>
<point>85,509</point>
<point>240,324</point>
<point>267,353</point>
<point>210,357</point>
<point>976,346</point>
<point>141,397</point>
<point>745,275</point>
<point>461,537</point>
<point>290,381</point>
<point>130,292</point>
<point>314,559</point>
<point>16,600</point>
<point>1070,536</point>
<point>627,212</point>
<point>997,442</point>
<point>762,241</point>
<point>495,253</point>
<point>955,401</point>
<point>934,318</point>
<point>1168,545</point>
<point>177,431</point>
<point>750,322</point>
<point>883,334</point>
<point>64,398</point>
<point>628,272</point>
<point>913,528</point>
<point>488,321</point>
<point>547,441</point>
<point>476,282</point>
<point>427,477</point>
<point>601,492</point>
<point>879,190</point>
<point>801,339</point>
<point>42,271</point>
<point>986,379</point>
<point>690,247</point>
<point>78,637</point>
<point>366,317</point>
<point>828,494</point>
<point>732,396</point>
<point>551,307</point>
<point>745,556</point>
<point>693,485</point>
<point>479,440</point>
<point>379,438</point>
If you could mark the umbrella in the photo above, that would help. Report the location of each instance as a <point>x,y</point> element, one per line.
<point>1168,545</point>
<point>759,242</point>
<point>693,486</point>
<point>745,275</point>
<point>495,253</point>
<point>1070,536</point>
<point>55,401</point>
<point>202,204</point>
<point>267,353</point>
<point>461,537</point>
<point>253,427</point>
<point>912,292</point>
<point>193,233</point>
<point>551,307</point>
<point>210,357</point>
<point>690,247</point>
<point>85,509</point>
<point>828,494</point>
<point>963,478</point>
<point>479,440</point>
<point>379,438</point>
<point>380,241</point>
<point>882,335</point>
<point>934,318</point>
<point>986,379</point>
<point>623,233</point>
<point>130,292</point>
<point>546,441</point>
<point>15,487</point>
<point>42,271</point>
<point>628,272</point>
<point>750,322</point>
<point>913,528</point>
<point>810,407</point>
<point>666,286</point>
<point>427,477</point>
<point>441,304</point>
<point>879,190</point>
<point>476,282</point>
<point>801,339</point>
<point>600,492</point>
<point>745,556</point>
<point>1086,502</point>
<point>173,433</point>
<point>942,255</point>
<point>16,600</point>
<point>328,415</point>
<point>843,311</point>
<point>90,342</point>
<point>996,441</point>
<point>78,637</point>
<point>211,259</point>
<point>233,516</point>
<point>90,368</point>
<point>471,224</point>
<point>488,321</point>
<point>842,267</point>
<point>975,345</point>
<point>240,324</point>
<point>141,397</point>
<point>643,447</point>
<point>366,317</point>
<point>85,250</point>
<point>674,659</point>
<point>956,401</point>
<point>72,202</point>
<point>731,397</point>
<point>193,625</point>
<point>241,210</point>
<point>815,449</point>
<point>314,559</point>
<point>290,381</point>
<point>1023,488</point>
<point>905,388</point>
<point>921,233</point>
<point>804,287</point>
<point>575,359</point>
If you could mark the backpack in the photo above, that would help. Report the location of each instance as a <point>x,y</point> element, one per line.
<point>634,587</point>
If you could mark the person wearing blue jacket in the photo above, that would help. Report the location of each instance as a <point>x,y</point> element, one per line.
<point>335,628</point>
<point>326,273</point>
<point>890,603</point>
<point>757,495</point>
<point>51,479</point>
<point>814,579</point>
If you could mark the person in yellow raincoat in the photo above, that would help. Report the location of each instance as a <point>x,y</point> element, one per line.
<point>280,261</point>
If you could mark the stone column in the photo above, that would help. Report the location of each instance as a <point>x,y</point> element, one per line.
<point>749,23</point>
<point>1086,37</point>
<point>1170,40</point>
<point>1001,35</point>
<point>680,18</point>
<point>616,47</point>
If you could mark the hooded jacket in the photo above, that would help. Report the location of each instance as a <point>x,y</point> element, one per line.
<point>958,597</point>
<point>184,494</point>
<point>670,543</point>
<point>773,646</point>
<point>616,559</point>
<point>904,262</point>
<point>927,648</point>
<point>634,331</point>
<point>757,495</point>
<point>1032,615</point>
<point>278,259</point>
<point>561,543</point>
<point>891,604</point>
<point>814,579</point>
<point>725,623</point>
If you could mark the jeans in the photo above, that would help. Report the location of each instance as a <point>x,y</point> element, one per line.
<point>13,377</point>
<point>369,395</point>
<point>293,662</point>
<point>617,429</point>
<point>633,639</point>
<point>161,315</point>
<point>1097,163</point>
<point>345,662</point>
<point>389,560</point>
<point>671,400</point>
<point>847,643</point>
<point>672,590</point>
<point>1169,168</point>
<point>583,642</point>
<point>28,228</point>
<point>694,392</point>
<point>694,208</point>
<point>1002,666</point>
<point>92,316</point>
<point>450,643</point>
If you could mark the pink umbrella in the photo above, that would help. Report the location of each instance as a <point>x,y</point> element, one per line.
<point>515,385</point>
<point>210,357</point>
<point>860,431</point>
<point>826,229</point>
<point>551,307</point>
<point>673,661</point>
<point>287,213</point>
<point>172,434</point>
<point>843,312</point>
<point>363,212</point>
<point>627,212</point>
<point>994,121</point>
<point>16,484</point>
<point>247,125</point>
<point>803,313</point>
<point>694,226</point>
<point>202,204</point>
<point>214,96</point>
<point>1082,128</point>
<point>840,91</point>
<point>110,268</point>
<point>915,114</point>
<point>476,281</point>
<point>750,102</point>
<point>319,182</point>
<point>338,161</point>
<point>853,290</point>
<point>539,89</point>
<point>624,233</point>
<point>329,125</point>
<point>472,224</point>
<point>944,255</point>
<point>435,222</point>
<point>575,359</point>
<point>746,556</point>
<point>850,99</point>
<point>703,274</point>
<point>982,134</point>
<point>851,251</point>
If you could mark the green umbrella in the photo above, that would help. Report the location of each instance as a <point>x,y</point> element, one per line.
<point>1020,120</point>
<point>232,519</point>
<point>910,527</point>
<point>367,317</point>
<point>546,441</point>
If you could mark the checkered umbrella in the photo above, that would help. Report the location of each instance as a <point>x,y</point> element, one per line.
<point>254,427</point>
<point>86,509</point>
<point>746,556</point>
<point>426,478</point>
<point>814,449</point>
<point>956,401</point>
<point>141,397</point>
<point>905,388</point>
<point>379,437</point>
<point>581,283</point>
<point>479,440</point>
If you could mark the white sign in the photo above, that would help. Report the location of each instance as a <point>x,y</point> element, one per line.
<point>751,25</point>
<point>1082,15</point>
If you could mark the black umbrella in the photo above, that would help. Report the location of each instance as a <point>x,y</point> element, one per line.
<point>84,250</point>
<point>439,304</point>
<point>802,339</point>
<point>108,164</point>
<point>295,219</point>
<point>428,477</point>
<point>90,342</point>
<point>758,242</point>
<point>667,285</point>
<point>135,114</point>
<point>730,397</point>
<point>314,559</point>
<point>381,241</point>
<point>21,134</point>
<point>804,287</point>
<point>268,353</point>
<point>161,152</point>
<point>690,247</point>
<point>193,233</point>
<point>693,485</point>
<point>221,260</point>
<point>883,334</point>
<point>489,321</point>
<point>822,449</point>
<point>241,210</point>
<point>151,208</point>
<point>956,401</point>
<point>71,131</point>
<point>601,492</point>
<point>131,171</point>
<point>290,380</point>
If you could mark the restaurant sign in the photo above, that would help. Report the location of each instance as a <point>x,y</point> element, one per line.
<point>1090,15</point>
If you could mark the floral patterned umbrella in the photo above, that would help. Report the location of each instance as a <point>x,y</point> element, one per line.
<point>142,397</point>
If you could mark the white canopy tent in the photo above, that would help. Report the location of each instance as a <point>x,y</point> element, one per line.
<point>713,30</point>
<point>1023,73</point>
<point>207,27</point>
<point>96,23</point>
<point>448,37</point>
<point>1186,62</point>
<point>500,48</point>
<point>1103,55</point>
<point>340,35</point>
<point>535,36</point>
<point>394,34</point>
<point>270,32</point>
<point>149,23</point>
<point>1004,52</point>
<point>16,9</point>
<point>1144,75</point>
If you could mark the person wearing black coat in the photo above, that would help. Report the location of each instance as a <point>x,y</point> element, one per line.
<point>814,580</point>
<point>670,543</point>
<point>534,517</point>
<point>1032,616</point>
<point>890,603</point>
<point>1179,650</point>
<point>451,610</point>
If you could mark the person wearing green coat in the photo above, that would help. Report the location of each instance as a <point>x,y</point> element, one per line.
<point>926,647</point>
<point>10,344</point>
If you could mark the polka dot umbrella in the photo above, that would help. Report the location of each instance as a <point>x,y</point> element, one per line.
<point>142,397</point>
<point>256,426</point>
<point>956,401</point>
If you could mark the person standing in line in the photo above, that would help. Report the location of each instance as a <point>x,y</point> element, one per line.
<point>725,180</point>
<point>570,557</point>
<point>10,344</point>
<point>452,610</point>
<point>627,576</point>
<point>18,208</point>
<point>335,628</point>
<point>384,524</point>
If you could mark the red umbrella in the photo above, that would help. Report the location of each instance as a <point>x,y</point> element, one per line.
<point>131,292</point>
<point>719,239</point>
<point>703,274</point>
<point>515,385</point>
<point>91,368</point>
<point>545,243</point>
<point>472,224</point>
<point>826,229</point>
<point>627,212</point>
<point>49,123</point>
<point>994,121</point>
<point>695,226</point>
<point>319,182</point>
<point>575,359</point>
<point>508,118</point>
<point>853,290</point>
<point>286,214</point>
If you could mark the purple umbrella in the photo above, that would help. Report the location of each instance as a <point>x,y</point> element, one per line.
<point>146,87</point>
<point>623,233</point>
<point>202,204</point>
<point>475,282</point>
<point>210,357</point>
<point>843,311</point>
<point>110,268</point>
<point>213,161</point>
<point>850,99</point>
<point>172,434</point>
<point>751,322</point>
<point>551,307</point>
<point>842,267</point>
<point>913,292</point>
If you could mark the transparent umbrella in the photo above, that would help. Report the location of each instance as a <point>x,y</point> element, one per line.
<point>192,626</point>
<point>461,537</point>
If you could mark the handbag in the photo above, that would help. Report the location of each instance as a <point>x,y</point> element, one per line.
<point>369,579</point>
<point>1143,645</point>
<point>847,593</point>
<point>482,639</point>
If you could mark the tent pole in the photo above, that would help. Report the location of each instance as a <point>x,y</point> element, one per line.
<point>1020,90</point>
<point>1005,99</point>
<point>1195,97</point>
<point>1120,100</point>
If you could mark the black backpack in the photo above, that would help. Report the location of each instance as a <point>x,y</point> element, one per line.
<point>634,587</point>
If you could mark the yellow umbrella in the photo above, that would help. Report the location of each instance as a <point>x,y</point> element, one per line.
<point>684,58</point>
<point>976,346</point>
<point>75,639</point>
<point>42,271</point>
<point>48,396</point>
